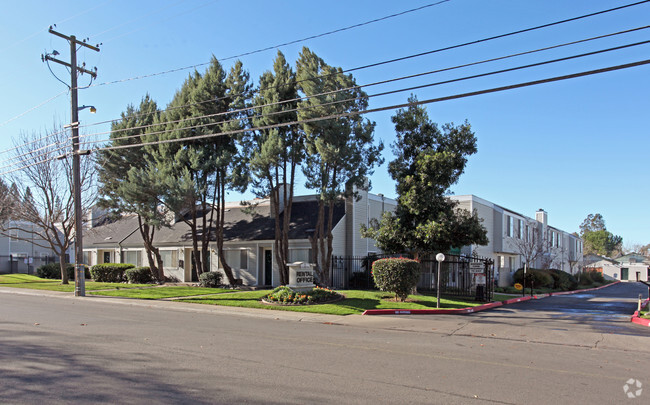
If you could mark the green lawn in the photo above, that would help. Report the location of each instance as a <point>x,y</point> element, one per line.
<point>161,292</point>
<point>355,302</point>
<point>36,283</point>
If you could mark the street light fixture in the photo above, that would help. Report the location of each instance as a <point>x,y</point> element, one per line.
<point>92,108</point>
<point>439,258</point>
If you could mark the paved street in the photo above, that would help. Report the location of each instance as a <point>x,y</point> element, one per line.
<point>60,349</point>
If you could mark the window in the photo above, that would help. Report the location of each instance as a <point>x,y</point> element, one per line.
<point>527,233</point>
<point>168,257</point>
<point>132,257</point>
<point>243,259</point>
<point>520,228</point>
<point>509,226</point>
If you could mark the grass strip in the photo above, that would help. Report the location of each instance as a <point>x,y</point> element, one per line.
<point>355,302</point>
<point>36,283</point>
<point>162,292</point>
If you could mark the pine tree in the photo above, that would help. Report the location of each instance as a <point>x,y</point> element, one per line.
<point>341,153</point>
<point>428,161</point>
<point>276,154</point>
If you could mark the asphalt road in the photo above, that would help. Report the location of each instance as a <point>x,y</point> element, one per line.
<point>59,349</point>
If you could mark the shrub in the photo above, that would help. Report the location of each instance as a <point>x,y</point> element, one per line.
<point>53,271</point>
<point>597,276</point>
<point>110,272</point>
<point>398,275</point>
<point>585,278</point>
<point>563,280</point>
<point>139,275</point>
<point>210,279</point>
<point>50,271</point>
<point>540,278</point>
<point>285,295</point>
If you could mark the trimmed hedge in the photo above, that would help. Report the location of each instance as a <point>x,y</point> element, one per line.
<point>398,275</point>
<point>110,272</point>
<point>139,275</point>
<point>53,271</point>
<point>589,277</point>
<point>210,279</point>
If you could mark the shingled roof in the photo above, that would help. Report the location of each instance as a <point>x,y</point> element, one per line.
<point>241,224</point>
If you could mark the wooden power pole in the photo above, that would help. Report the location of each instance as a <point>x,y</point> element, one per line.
<point>80,283</point>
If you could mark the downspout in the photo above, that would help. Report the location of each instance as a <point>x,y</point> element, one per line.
<point>123,239</point>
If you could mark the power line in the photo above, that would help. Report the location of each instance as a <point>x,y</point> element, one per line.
<point>401,58</point>
<point>33,108</point>
<point>379,109</point>
<point>350,88</point>
<point>280,45</point>
<point>383,81</point>
<point>347,99</point>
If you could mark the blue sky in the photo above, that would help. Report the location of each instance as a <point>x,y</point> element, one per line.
<point>572,147</point>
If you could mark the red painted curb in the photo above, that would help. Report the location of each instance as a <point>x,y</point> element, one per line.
<point>641,321</point>
<point>470,310</point>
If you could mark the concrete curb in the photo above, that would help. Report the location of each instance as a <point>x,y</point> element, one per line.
<point>470,310</point>
<point>641,321</point>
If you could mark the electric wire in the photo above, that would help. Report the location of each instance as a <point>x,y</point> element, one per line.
<point>32,109</point>
<point>356,87</point>
<point>298,109</point>
<point>390,107</point>
<point>405,77</point>
<point>438,50</point>
<point>374,110</point>
<point>404,57</point>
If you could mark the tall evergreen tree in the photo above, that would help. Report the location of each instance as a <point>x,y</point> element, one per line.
<point>125,183</point>
<point>341,153</point>
<point>428,161</point>
<point>198,173</point>
<point>276,154</point>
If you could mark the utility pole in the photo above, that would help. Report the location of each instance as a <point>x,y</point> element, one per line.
<point>80,281</point>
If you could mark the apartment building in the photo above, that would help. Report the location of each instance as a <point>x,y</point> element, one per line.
<point>513,237</point>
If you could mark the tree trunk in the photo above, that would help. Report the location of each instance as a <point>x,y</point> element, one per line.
<point>64,270</point>
<point>221,219</point>
<point>153,254</point>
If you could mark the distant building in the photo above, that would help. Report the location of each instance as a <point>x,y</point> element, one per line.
<point>22,250</point>
<point>508,230</point>
<point>629,267</point>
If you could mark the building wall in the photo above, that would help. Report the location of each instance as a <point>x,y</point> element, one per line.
<point>503,231</point>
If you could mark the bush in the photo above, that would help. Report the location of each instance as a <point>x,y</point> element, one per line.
<point>285,295</point>
<point>53,271</point>
<point>139,275</point>
<point>50,271</point>
<point>597,276</point>
<point>539,278</point>
<point>585,278</point>
<point>398,275</point>
<point>110,272</point>
<point>210,279</point>
<point>563,280</point>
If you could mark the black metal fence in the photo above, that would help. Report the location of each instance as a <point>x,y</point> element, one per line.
<point>461,276</point>
<point>23,264</point>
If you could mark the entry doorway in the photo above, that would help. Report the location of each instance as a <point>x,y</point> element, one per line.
<point>268,267</point>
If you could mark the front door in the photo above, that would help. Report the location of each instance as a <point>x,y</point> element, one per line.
<point>268,267</point>
<point>107,257</point>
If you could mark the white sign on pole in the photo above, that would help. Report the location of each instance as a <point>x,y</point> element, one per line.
<point>480,279</point>
<point>476,268</point>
